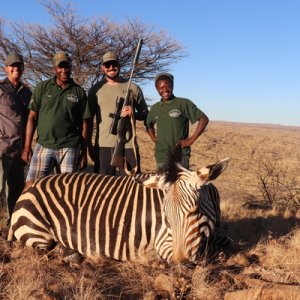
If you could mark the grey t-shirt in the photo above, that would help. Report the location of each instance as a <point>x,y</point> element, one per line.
<point>106,99</point>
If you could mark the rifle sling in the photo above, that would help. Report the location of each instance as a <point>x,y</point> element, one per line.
<point>135,169</point>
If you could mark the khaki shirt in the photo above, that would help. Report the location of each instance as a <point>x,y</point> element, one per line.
<point>105,95</point>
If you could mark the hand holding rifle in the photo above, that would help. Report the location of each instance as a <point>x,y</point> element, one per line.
<point>127,111</point>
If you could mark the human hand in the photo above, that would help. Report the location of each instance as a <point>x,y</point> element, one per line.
<point>185,143</point>
<point>83,162</point>
<point>127,111</point>
<point>26,155</point>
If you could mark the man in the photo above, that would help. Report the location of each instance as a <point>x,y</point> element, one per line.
<point>59,110</point>
<point>14,99</point>
<point>104,95</point>
<point>172,116</point>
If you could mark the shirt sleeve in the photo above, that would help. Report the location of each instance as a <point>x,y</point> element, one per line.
<point>193,113</point>
<point>92,99</point>
<point>88,112</point>
<point>150,121</point>
<point>141,108</point>
<point>35,101</point>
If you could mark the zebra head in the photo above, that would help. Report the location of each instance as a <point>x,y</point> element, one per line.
<point>181,204</point>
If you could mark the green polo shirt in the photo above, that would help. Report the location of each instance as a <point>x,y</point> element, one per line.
<point>172,124</point>
<point>60,113</point>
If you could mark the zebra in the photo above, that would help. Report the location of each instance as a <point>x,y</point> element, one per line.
<point>122,218</point>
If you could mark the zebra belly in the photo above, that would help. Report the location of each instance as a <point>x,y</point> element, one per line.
<point>94,215</point>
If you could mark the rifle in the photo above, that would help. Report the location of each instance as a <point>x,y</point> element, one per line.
<point>125,128</point>
<point>116,116</point>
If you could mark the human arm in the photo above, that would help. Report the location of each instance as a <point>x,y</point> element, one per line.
<point>149,124</point>
<point>30,129</point>
<point>84,138</point>
<point>94,115</point>
<point>139,107</point>
<point>151,132</point>
<point>139,115</point>
<point>202,123</point>
<point>89,142</point>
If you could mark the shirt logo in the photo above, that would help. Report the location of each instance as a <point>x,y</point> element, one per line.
<point>72,98</point>
<point>174,113</point>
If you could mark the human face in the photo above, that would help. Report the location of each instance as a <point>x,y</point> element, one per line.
<point>111,69</point>
<point>14,72</point>
<point>62,72</point>
<point>165,89</point>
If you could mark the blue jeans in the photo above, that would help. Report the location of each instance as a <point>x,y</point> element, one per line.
<point>11,181</point>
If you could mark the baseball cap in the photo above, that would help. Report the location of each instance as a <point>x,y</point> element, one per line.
<point>110,56</point>
<point>13,58</point>
<point>60,57</point>
<point>164,76</point>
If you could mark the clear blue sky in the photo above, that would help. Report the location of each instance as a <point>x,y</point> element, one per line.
<point>243,61</point>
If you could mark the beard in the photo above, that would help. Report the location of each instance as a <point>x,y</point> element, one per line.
<point>113,77</point>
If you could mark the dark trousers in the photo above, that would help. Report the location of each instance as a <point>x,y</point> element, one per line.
<point>11,181</point>
<point>185,162</point>
<point>105,155</point>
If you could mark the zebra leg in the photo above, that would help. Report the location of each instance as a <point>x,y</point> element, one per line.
<point>213,246</point>
<point>30,226</point>
<point>33,236</point>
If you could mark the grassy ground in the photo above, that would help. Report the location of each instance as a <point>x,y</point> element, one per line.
<point>264,229</point>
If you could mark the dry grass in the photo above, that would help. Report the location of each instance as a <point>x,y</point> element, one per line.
<point>266,242</point>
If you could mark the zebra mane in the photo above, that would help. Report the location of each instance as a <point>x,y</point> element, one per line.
<point>172,169</point>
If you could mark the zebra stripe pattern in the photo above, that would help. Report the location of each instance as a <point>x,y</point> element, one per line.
<point>120,217</point>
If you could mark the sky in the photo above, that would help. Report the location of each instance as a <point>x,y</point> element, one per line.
<point>243,62</point>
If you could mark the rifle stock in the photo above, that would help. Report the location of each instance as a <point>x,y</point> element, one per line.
<point>124,135</point>
<point>117,159</point>
<point>124,132</point>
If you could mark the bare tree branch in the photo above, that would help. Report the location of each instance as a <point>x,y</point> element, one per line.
<point>86,40</point>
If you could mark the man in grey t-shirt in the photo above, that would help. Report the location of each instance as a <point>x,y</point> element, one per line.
<point>104,95</point>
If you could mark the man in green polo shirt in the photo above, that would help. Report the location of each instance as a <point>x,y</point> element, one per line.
<point>59,110</point>
<point>172,115</point>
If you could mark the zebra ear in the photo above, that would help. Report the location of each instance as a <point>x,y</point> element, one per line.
<point>211,172</point>
<point>150,182</point>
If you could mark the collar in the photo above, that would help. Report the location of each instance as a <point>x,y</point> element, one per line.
<point>167,102</point>
<point>69,83</point>
<point>11,85</point>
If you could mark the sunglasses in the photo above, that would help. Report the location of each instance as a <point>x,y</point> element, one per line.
<point>111,63</point>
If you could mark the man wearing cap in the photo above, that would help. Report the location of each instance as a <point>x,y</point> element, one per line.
<point>59,110</point>
<point>14,99</point>
<point>104,95</point>
<point>171,116</point>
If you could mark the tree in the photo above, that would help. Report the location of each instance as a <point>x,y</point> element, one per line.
<point>86,41</point>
